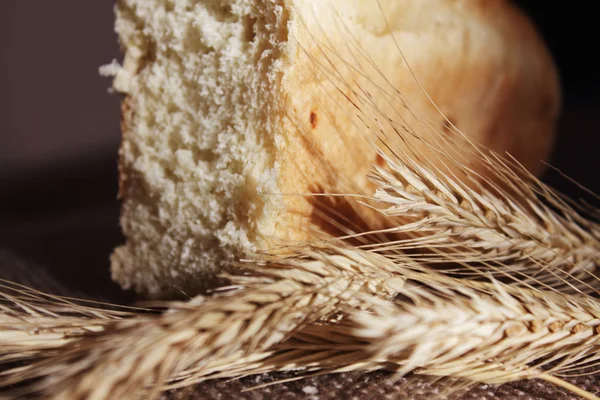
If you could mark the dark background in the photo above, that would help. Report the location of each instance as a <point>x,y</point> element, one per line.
<point>59,129</point>
<point>571,32</point>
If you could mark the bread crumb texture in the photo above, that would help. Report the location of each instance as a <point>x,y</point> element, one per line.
<point>197,152</point>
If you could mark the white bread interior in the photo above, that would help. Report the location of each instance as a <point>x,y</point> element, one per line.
<point>233,108</point>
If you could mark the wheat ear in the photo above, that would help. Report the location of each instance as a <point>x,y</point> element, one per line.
<point>487,211</point>
<point>140,355</point>
<point>34,324</point>
<point>477,332</point>
<point>484,228</point>
<point>494,335</point>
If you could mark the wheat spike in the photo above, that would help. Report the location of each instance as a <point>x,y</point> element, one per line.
<point>481,227</point>
<point>133,355</point>
<point>489,211</point>
<point>492,336</point>
<point>478,332</point>
<point>278,319</point>
<point>34,324</point>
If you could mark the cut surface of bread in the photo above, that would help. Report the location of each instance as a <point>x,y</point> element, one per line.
<point>234,110</point>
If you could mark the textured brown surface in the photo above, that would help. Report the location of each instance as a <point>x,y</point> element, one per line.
<point>376,385</point>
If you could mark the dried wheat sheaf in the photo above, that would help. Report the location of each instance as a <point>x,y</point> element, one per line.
<point>484,274</point>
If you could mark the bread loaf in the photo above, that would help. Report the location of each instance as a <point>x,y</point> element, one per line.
<point>234,109</point>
